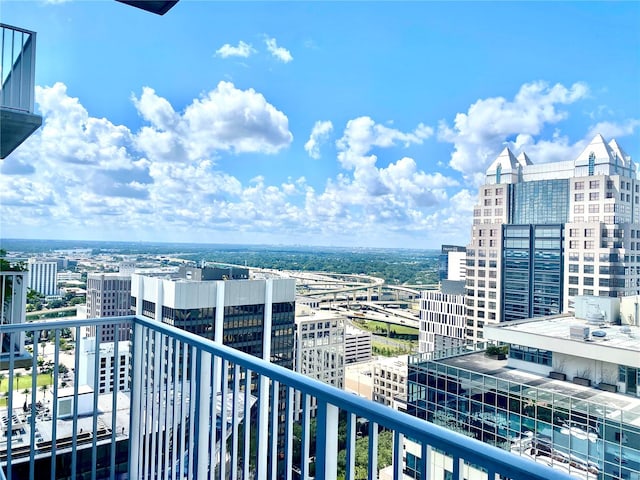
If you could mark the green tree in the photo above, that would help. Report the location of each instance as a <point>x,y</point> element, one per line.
<point>385,455</point>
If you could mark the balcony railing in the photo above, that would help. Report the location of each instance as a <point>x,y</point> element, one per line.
<point>17,63</point>
<point>17,87</point>
<point>188,407</point>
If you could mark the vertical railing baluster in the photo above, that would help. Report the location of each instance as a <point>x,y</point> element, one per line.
<point>327,440</point>
<point>163,400</point>
<point>183,410</point>
<point>224,379</point>
<point>306,436</point>
<point>213,405</point>
<point>235,423</point>
<point>74,432</point>
<point>373,450</point>
<point>147,431</point>
<point>350,474</point>
<point>263,426</point>
<point>10,404</point>
<point>34,385</point>
<point>203,399</point>
<point>96,392</point>
<point>114,399</point>
<point>274,427</point>
<point>458,473</point>
<point>136,367</point>
<point>246,414</point>
<point>288,434</point>
<point>193,399</point>
<point>54,409</point>
<point>398,440</point>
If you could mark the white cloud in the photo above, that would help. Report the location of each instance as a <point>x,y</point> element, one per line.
<point>479,135</point>
<point>242,50</point>
<point>611,130</point>
<point>224,119</point>
<point>362,133</point>
<point>319,134</point>
<point>280,53</point>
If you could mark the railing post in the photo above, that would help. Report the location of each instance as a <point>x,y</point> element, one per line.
<point>205,427</point>
<point>327,443</point>
<point>136,387</point>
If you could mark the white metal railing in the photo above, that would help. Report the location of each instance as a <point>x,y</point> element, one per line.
<point>17,68</point>
<point>198,409</point>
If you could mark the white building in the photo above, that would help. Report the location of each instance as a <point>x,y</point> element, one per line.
<point>113,372</point>
<point>456,265</point>
<point>43,276</point>
<point>108,295</point>
<point>320,343</point>
<point>357,346</point>
<point>544,234</point>
<point>442,317</point>
<point>390,380</point>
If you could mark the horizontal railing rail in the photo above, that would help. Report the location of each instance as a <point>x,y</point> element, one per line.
<point>200,409</point>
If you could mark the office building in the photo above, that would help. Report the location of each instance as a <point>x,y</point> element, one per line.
<point>43,276</point>
<point>442,317</point>
<point>565,392</point>
<point>254,316</point>
<point>543,234</point>
<point>451,263</point>
<point>108,295</point>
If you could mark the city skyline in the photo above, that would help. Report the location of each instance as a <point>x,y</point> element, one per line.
<point>368,125</point>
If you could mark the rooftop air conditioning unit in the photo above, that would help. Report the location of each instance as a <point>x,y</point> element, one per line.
<point>579,333</point>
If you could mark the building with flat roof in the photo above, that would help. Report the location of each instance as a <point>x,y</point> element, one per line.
<point>565,393</point>
<point>544,234</point>
<point>451,262</point>
<point>358,346</point>
<point>254,316</point>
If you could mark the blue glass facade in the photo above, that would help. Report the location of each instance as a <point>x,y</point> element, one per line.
<point>532,271</point>
<point>539,202</point>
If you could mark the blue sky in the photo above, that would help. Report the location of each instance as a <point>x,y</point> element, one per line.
<point>316,123</point>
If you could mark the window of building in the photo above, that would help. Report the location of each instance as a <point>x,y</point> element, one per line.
<point>592,163</point>
<point>578,197</point>
<point>499,191</point>
<point>498,173</point>
<point>589,244</point>
<point>578,209</point>
<point>573,280</point>
<point>579,186</point>
<point>594,184</point>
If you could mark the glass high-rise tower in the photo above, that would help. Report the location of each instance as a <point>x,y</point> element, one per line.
<point>544,233</point>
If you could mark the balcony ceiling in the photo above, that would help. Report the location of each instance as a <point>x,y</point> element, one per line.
<point>159,7</point>
<point>16,127</point>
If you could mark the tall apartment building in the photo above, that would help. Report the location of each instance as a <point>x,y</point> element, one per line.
<point>543,234</point>
<point>442,317</point>
<point>113,373</point>
<point>42,276</point>
<point>108,295</point>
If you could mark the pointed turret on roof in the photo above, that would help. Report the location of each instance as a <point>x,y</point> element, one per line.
<point>503,169</point>
<point>623,158</point>
<point>524,160</point>
<point>600,150</point>
<point>506,160</point>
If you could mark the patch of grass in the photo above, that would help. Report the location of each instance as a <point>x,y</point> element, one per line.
<point>24,381</point>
